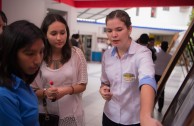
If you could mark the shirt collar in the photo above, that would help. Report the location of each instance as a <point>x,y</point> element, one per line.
<point>17,82</point>
<point>131,49</point>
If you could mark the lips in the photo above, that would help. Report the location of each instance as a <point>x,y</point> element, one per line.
<point>34,69</point>
<point>115,41</point>
<point>60,43</point>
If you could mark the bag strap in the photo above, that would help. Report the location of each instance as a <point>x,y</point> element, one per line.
<point>45,108</point>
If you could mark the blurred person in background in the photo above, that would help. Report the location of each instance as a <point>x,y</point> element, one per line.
<point>3,21</point>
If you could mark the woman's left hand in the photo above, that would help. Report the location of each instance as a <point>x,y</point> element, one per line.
<point>149,121</point>
<point>62,91</point>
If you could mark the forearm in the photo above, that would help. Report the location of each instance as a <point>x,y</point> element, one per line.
<point>40,93</point>
<point>147,98</point>
<point>78,88</point>
<point>70,90</point>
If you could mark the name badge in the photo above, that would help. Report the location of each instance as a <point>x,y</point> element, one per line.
<point>128,77</point>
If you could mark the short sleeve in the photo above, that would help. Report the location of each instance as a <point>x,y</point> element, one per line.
<point>82,76</point>
<point>146,68</point>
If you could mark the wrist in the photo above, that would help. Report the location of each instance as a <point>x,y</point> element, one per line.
<point>72,90</point>
<point>44,93</point>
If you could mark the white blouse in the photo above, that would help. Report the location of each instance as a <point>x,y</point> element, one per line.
<point>71,73</point>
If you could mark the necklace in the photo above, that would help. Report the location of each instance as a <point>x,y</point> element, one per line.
<point>56,63</point>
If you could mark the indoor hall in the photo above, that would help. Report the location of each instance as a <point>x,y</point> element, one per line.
<point>93,36</point>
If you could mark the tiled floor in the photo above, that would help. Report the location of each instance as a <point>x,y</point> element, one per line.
<point>93,102</point>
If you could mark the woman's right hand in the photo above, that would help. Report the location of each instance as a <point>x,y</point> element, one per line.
<point>51,93</point>
<point>105,92</point>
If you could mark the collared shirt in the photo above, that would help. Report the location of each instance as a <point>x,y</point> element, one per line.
<point>19,105</point>
<point>125,76</point>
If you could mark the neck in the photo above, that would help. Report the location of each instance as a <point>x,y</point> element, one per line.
<point>56,54</point>
<point>122,50</point>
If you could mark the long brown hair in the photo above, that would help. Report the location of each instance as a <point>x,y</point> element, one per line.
<point>66,49</point>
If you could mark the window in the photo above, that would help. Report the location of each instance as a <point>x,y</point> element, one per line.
<point>166,8</point>
<point>137,11</point>
<point>184,9</point>
<point>153,12</point>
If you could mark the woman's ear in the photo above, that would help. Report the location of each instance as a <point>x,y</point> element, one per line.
<point>130,30</point>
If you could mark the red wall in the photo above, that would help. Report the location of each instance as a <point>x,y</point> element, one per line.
<point>69,2</point>
<point>125,3</point>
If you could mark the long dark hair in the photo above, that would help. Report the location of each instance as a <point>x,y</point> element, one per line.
<point>14,37</point>
<point>66,49</point>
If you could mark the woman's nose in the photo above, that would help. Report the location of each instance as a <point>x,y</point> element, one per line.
<point>114,34</point>
<point>58,36</point>
<point>38,59</point>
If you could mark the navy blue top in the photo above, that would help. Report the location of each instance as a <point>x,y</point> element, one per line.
<point>18,106</point>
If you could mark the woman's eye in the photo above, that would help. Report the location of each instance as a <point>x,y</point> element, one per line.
<point>63,32</point>
<point>29,54</point>
<point>53,34</point>
<point>119,29</point>
<point>108,31</point>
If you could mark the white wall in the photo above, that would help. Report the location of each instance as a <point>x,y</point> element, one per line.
<point>71,14</point>
<point>31,10</point>
<point>165,23</point>
<point>175,18</point>
<point>35,10</point>
<point>97,30</point>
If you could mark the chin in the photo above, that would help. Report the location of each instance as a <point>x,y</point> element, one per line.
<point>115,45</point>
<point>31,72</point>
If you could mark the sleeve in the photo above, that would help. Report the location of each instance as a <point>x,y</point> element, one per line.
<point>146,68</point>
<point>82,67</point>
<point>9,112</point>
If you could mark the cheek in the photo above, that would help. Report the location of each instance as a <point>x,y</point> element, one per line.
<point>108,35</point>
<point>125,35</point>
<point>50,39</point>
<point>24,62</point>
<point>64,37</point>
<point>22,66</point>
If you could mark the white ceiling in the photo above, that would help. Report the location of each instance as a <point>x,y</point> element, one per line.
<point>94,13</point>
